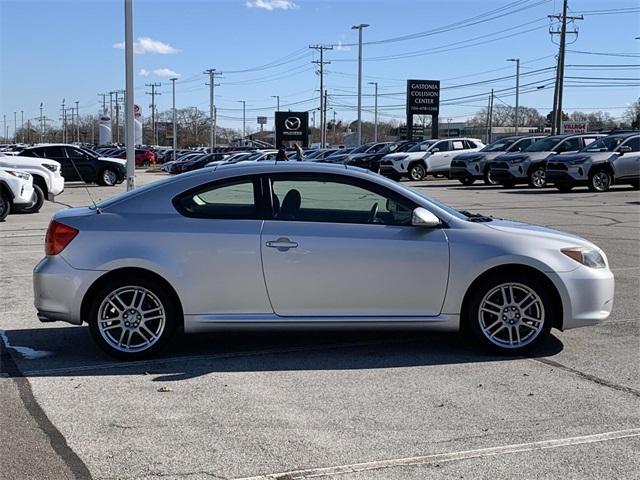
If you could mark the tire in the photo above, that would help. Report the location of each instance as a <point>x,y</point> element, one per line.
<point>108,177</point>
<point>537,177</point>
<point>5,206</point>
<point>35,208</point>
<point>487,178</point>
<point>467,181</point>
<point>523,313</point>
<point>417,172</point>
<point>564,187</point>
<point>117,314</point>
<point>600,181</point>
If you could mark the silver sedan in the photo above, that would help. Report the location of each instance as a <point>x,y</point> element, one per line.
<point>291,244</point>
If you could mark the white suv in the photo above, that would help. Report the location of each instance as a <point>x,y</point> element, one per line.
<point>47,178</point>
<point>429,157</point>
<point>16,190</point>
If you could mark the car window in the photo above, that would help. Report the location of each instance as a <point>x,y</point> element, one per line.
<point>333,200</point>
<point>54,152</point>
<point>421,147</point>
<point>569,145</point>
<point>544,145</point>
<point>377,148</point>
<point>500,145</point>
<point>634,143</point>
<point>442,146</point>
<point>522,144</point>
<point>74,153</point>
<point>231,200</point>
<point>589,140</point>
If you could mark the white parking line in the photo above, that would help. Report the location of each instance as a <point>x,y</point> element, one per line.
<point>447,457</point>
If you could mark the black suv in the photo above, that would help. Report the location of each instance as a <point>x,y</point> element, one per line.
<point>82,165</point>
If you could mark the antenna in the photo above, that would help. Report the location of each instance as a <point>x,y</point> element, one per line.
<point>95,205</point>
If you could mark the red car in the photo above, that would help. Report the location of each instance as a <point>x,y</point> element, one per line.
<point>144,158</point>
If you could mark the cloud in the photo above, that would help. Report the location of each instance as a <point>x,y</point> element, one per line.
<point>272,4</point>
<point>144,72</point>
<point>149,45</point>
<point>166,73</point>
<point>341,46</point>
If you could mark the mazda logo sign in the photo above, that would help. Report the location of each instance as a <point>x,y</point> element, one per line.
<point>292,123</point>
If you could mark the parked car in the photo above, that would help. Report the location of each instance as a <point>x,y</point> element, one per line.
<point>16,192</point>
<point>171,166</point>
<point>143,158</point>
<point>201,161</point>
<point>529,166</point>
<point>431,157</point>
<point>343,156</point>
<point>281,231</point>
<point>471,166</point>
<point>47,178</point>
<point>614,159</point>
<point>371,161</point>
<point>81,165</point>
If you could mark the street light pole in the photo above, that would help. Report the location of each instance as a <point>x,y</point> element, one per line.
<point>517,60</point>
<point>244,120</point>
<point>22,124</point>
<point>175,128</point>
<point>375,114</point>
<point>128,104</point>
<point>359,28</point>
<point>277,97</point>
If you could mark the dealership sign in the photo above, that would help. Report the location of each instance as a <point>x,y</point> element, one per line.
<point>574,127</point>
<point>292,127</point>
<point>262,120</point>
<point>423,97</point>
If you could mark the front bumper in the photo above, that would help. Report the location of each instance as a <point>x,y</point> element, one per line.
<point>390,171</point>
<point>58,289</point>
<point>462,173</point>
<point>57,186</point>
<point>564,173</point>
<point>508,172</point>
<point>587,295</point>
<point>26,196</point>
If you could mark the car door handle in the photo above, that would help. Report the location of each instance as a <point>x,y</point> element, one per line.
<point>282,244</point>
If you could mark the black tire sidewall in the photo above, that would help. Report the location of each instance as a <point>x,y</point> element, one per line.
<point>5,207</point>
<point>165,297</point>
<point>472,323</point>
<point>35,208</point>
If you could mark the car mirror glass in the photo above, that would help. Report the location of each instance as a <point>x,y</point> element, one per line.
<point>435,150</point>
<point>624,149</point>
<point>422,217</point>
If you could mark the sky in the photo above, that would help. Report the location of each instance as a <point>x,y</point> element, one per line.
<point>50,50</point>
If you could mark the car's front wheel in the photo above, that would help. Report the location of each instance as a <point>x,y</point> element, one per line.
<point>537,177</point>
<point>108,177</point>
<point>5,205</point>
<point>600,181</point>
<point>132,317</point>
<point>417,172</point>
<point>510,313</point>
<point>37,205</point>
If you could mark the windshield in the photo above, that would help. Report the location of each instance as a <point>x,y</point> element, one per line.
<point>361,148</point>
<point>501,145</point>
<point>606,144</point>
<point>340,151</point>
<point>392,147</point>
<point>544,145</point>
<point>422,146</point>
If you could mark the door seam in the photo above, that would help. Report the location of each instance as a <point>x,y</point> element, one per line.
<point>264,276</point>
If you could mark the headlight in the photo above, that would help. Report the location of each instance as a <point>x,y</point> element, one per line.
<point>399,159</point>
<point>50,166</point>
<point>518,160</point>
<point>588,257</point>
<point>578,161</point>
<point>22,175</point>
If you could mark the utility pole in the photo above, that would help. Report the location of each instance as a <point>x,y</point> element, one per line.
<point>490,138</point>
<point>111,112</point>
<point>64,123</point>
<point>277,97</point>
<point>213,141</point>
<point>375,114</point>
<point>517,60</point>
<point>195,125</point>
<point>359,28</point>
<point>334,127</point>
<point>322,63</point>
<point>557,96</point>
<point>73,124</point>
<point>104,102</point>
<point>153,93</point>
<point>244,120</point>
<point>15,127</point>
<point>324,116</point>
<point>4,128</point>
<point>118,115</point>
<point>41,124</point>
<point>22,124</point>
<point>175,128</point>
<point>77,121</point>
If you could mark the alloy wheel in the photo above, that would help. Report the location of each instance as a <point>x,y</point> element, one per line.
<point>601,181</point>
<point>109,177</point>
<point>511,315</point>
<point>538,178</point>
<point>417,172</point>
<point>131,319</point>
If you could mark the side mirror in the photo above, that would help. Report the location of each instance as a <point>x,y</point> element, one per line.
<point>624,149</point>
<point>421,217</point>
<point>435,150</point>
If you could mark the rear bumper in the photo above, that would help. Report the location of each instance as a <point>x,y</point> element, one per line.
<point>59,289</point>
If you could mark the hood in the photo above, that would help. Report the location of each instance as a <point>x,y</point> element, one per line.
<point>544,233</point>
<point>17,161</point>
<point>395,156</point>
<point>470,156</point>
<point>121,161</point>
<point>572,157</point>
<point>533,156</point>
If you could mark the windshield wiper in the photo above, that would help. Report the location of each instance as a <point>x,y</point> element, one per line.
<point>476,217</point>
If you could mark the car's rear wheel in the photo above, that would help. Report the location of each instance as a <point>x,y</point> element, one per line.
<point>537,177</point>
<point>108,177</point>
<point>417,172</point>
<point>467,181</point>
<point>5,205</point>
<point>38,203</point>
<point>564,187</point>
<point>132,317</point>
<point>600,181</point>
<point>510,313</point>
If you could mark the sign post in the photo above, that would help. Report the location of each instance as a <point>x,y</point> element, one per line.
<point>423,98</point>
<point>262,121</point>
<point>292,127</point>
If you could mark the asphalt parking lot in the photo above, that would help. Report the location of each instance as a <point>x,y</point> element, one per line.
<point>348,405</point>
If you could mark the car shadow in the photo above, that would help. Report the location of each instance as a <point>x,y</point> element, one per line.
<point>70,352</point>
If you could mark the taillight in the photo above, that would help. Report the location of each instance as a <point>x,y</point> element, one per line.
<point>58,237</point>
